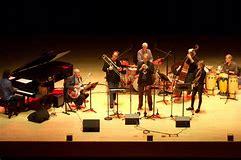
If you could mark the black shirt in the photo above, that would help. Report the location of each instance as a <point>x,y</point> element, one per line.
<point>111,75</point>
<point>192,66</point>
<point>201,79</point>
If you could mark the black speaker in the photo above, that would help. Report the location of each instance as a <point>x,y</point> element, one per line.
<point>69,138</point>
<point>58,100</point>
<point>39,116</point>
<point>149,138</point>
<point>182,122</point>
<point>230,137</point>
<point>91,125</point>
<point>132,119</point>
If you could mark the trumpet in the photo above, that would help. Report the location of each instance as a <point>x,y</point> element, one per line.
<point>111,63</point>
<point>144,68</point>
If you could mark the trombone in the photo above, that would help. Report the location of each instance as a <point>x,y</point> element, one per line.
<point>111,63</point>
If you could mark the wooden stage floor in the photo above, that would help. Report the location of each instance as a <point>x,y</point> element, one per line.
<point>215,121</point>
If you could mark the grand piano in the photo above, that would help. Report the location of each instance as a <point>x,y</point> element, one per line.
<point>31,78</point>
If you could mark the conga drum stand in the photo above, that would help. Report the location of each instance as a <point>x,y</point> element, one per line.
<point>228,94</point>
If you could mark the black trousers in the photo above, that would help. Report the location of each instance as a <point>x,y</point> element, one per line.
<point>198,89</point>
<point>145,88</point>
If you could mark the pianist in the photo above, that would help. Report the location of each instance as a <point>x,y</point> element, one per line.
<point>7,94</point>
<point>71,83</point>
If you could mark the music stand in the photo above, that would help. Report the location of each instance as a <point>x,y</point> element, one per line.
<point>91,109</point>
<point>117,114</point>
<point>154,103</point>
<point>183,87</point>
<point>165,79</point>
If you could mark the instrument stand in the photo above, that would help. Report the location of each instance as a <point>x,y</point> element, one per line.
<point>228,94</point>
<point>157,115</point>
<point>117,114</point>
<point>108,107</point>
<point>145,113</point>
<point>90,109</point>
<point>66,110</point>
<point>165,79</point>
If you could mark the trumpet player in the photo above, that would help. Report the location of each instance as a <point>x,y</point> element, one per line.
<point>145,69</point>
<point>113,70</point>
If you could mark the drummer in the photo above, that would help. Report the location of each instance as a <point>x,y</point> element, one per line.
<point>230,67</point>
<point>143,51</point>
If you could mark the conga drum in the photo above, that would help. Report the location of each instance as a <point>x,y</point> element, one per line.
<point>210,83</point>
<point>232,85</point>
<point>223,83</point>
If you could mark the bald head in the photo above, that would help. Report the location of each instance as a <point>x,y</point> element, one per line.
<point>115,55</point>
<point>228,58</point>
<point>77,72</point>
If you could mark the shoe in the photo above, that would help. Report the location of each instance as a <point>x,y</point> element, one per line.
<point>189,109</point>
<point>197,110</point>
<point>111,106</point>
<point>150,109</point>
<point>15,113</point>
<point>10,115</point>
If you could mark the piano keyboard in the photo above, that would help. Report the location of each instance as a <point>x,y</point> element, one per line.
<point>24,92</point>
<point>23,80</point>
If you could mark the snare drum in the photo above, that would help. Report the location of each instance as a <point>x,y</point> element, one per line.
<point>232,85</point>
<point>210,83</point>
<point>223,83</point>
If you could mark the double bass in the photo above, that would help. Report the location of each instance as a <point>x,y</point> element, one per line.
<point>183,71</point>
<point>185,66</point>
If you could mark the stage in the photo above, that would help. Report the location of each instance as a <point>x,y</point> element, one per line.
<point>209,128</point>
<point>215,121</point>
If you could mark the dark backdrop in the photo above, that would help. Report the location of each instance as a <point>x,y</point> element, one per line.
<point>121,17</point>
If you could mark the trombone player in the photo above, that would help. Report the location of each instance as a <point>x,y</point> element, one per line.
<point>113,68</point>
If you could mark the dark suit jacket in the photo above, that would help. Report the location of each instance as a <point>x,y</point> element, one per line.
<point>149,74</point>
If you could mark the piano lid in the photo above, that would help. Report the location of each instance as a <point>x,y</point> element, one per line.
<point>43,59</point>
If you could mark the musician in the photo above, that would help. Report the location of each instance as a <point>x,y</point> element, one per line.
<point>229,67</point>
<point>198,84</point>
<point>7,93</point>
<point>71,82</point>
<point>192,61</point>
<point>145,69</point>
<point>112,78</point>
<point>143,51</point>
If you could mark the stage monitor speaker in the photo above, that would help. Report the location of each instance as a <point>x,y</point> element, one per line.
<point>39,116</point>
<point>230,137</point>
<point>58,100</point>
<point>69,138</point>
<point>183,122</point>
<point>149,138</point>
<point>91,125</point>
<point>132,119</point>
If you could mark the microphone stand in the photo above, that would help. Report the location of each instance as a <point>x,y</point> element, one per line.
<point>166,57</point>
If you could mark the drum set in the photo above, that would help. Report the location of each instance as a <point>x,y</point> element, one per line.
<point>131,76</point>
<point>227,83</point>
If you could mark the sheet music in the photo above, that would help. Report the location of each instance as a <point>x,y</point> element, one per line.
<point>23,80</point>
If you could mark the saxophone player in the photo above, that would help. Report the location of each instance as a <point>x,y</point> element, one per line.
<point>198,84</point>
<point>145,69</point>
<point>113,75</point>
